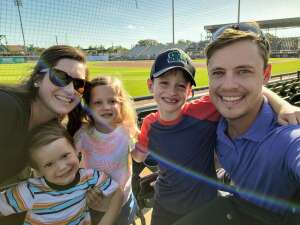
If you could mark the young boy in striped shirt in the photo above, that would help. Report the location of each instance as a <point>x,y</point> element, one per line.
<point>58,196</point>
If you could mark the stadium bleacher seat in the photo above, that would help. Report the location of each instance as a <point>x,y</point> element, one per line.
<point>295,99</point>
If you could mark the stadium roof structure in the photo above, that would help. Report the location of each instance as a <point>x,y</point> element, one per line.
<point>264,24</point>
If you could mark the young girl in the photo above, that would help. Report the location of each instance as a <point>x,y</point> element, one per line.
<point>105,141</point>
<point>58,196</point>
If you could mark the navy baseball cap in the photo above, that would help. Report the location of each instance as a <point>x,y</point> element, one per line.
<point>173,59</point>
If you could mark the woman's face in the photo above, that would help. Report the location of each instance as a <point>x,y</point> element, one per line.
<point>61,100</point>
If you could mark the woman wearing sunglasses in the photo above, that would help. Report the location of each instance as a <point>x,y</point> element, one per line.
<point>53,90</point>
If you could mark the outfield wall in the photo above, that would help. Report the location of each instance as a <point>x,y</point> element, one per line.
<point>12,59</point>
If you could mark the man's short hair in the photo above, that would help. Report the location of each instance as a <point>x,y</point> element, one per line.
<point>230,34</point>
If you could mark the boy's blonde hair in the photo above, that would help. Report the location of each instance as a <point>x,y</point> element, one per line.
<point>127,115</point>
<point>233,34</point>
<point>43,135</point>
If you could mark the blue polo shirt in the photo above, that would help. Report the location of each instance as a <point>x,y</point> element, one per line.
<point>264,161</point>
<point>187,142</point>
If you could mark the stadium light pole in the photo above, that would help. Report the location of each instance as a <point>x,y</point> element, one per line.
<point>19,3</point>
<point>239,9</point>
<point>173,30</point>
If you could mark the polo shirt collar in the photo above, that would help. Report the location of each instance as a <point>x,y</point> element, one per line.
<point>263,123</point>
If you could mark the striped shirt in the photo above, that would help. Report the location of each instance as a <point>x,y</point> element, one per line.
<point>45,205</point>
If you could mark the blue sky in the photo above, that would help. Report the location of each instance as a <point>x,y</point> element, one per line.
<point>123,22</point>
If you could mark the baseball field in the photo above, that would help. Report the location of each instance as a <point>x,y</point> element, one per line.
<point>135,73</point>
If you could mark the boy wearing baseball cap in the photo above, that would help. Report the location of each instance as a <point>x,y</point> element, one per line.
<point>180,133</point>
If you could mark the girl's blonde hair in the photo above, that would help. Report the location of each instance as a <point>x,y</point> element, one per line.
<point>127,115</point>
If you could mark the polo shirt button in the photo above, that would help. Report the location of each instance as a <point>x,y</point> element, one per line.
<point>229,216</point>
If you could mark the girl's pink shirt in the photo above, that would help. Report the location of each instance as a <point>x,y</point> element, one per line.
<point>107,152</point>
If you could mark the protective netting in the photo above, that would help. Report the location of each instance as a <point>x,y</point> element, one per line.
<point>123,22</point>
<point>128,30</point>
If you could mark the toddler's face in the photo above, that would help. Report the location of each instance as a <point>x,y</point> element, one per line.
<point>57,162</point>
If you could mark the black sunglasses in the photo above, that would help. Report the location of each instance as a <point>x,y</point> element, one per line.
<point>241,27</point>
<point>61,79</point>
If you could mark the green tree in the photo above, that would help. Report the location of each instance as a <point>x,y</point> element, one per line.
<point>147,42</point>
<point>182,41</point>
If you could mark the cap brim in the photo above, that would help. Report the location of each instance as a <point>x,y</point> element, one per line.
<point>159,73</point>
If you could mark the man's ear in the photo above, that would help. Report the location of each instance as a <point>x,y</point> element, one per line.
<point>267,73</point>
<point>150,85</point>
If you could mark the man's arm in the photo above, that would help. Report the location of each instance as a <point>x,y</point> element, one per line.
<point>287,113</point>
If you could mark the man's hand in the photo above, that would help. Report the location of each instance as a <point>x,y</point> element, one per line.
<point>289,114</point>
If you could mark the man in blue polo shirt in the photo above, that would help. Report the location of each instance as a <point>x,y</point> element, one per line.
<point>261,157</point>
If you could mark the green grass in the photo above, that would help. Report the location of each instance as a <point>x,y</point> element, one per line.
<point>280,66</point>
<point>134,78</point>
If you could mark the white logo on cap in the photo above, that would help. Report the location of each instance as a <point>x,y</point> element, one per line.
<point>177,56</point>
